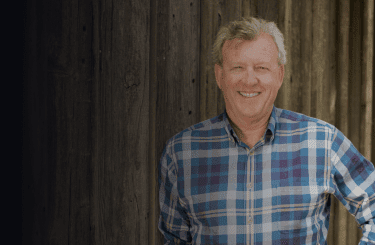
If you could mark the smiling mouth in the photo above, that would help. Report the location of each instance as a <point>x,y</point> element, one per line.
<point>248,95</point>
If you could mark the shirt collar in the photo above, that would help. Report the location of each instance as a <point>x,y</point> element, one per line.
<point>230,131</point>
<point>270,132</point>
<point>271,128</point>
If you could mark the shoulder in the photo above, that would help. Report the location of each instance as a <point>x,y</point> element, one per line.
<point>287,118</point>
<point>290,121</point>
<point>210,128</point>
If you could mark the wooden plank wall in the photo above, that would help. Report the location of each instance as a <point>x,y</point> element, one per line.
<point>107,83</point>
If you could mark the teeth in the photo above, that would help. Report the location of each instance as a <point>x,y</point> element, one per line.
<point>249,95</point>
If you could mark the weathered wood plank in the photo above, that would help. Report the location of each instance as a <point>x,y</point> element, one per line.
<point>320,59</point>
<point>306,56</point>
<point>284,24</point>
<point>98,126</point>
<point>268,10</point>
<point>210,22</point>
<point>296,85</point>
<point>213,15</point>
<point>355,80</point>
<point>121,115</point>
<point>29,125</point>
<point>177,71</point>
<point>39,153</point>
<point>178,65</point>
<point>355,75</point>
<point>329,88</point>
<point>343,67</point>
<point>367,78</point>
<point>70,77</point>
<point>337,231</point>
<point>366,109</point>
<point>153,232</point>
<point>249,8</point>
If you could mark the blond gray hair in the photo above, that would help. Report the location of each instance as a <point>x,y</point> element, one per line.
<point>248,29</point>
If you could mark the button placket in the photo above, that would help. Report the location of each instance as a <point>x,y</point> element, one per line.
<point>249,219</point>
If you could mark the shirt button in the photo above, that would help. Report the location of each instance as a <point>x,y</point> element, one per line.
<point>249,185</point>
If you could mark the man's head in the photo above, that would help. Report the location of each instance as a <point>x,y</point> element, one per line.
<point>248,29</point>
<point>249,67</point>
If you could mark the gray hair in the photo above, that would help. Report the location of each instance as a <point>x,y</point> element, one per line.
<point>248,29</point>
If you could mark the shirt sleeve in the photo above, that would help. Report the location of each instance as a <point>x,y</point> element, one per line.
<point>353,177</point>
<point>173,220</point>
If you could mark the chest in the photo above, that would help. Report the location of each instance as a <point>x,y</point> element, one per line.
<point>264,178</point>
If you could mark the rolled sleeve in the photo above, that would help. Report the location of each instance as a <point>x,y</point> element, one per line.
<point>353,178</point>
<point>173,220</point>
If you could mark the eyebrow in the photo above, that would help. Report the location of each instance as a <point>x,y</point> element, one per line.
<point>255,63</point>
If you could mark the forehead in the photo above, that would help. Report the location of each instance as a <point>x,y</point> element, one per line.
<point>261,48</point>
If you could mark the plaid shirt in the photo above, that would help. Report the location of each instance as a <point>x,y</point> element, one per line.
<point>214,189</point>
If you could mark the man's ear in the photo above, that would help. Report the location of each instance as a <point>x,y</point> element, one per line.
<point>218,75</point>
<point>281,74</point>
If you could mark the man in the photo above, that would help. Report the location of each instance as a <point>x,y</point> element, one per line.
<point>257,174</point>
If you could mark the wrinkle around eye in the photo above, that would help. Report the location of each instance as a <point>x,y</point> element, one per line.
<point>263,70</point>
<point>236,69</point>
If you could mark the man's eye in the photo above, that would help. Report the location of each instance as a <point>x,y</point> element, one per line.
<point>262,68</point>
<point>236,68</point>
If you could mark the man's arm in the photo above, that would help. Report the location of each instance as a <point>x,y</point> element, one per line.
<point>353,177</point>
<point>173,220</point>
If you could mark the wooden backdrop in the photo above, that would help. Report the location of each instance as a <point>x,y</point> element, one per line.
<point>106,83</point>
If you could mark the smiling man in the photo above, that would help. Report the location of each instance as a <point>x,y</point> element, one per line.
<point>249,76</point>
<point>257,174</point>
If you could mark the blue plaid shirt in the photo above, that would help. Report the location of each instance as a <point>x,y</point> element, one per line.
<point>214,189</point>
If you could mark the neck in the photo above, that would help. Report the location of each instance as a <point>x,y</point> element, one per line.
<point>249,131</point>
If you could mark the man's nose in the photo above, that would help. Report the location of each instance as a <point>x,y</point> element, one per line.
<point>250,77</point>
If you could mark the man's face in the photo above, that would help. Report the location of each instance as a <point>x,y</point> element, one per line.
<point>250,77</point>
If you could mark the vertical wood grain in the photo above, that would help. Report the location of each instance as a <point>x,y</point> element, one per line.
<point>330,89</point>
<point>122,121</point>
<point>296,86</point>
<point>249,8</point>
<point>355,87</point>
<point>268,10</point>
<point>39,136</point>
<point>209,93</point>
<point>96,126</point>
<point>306,56</point>
<point>321,61</point>
<point>177,67</point>
<point>343,67</point>
<point>284,24</point>
<point>367,78</point>
<point>108,82</point>
<point>339,212</point>
<point>213,15</point>
<point>153,232</point>
<point>367,82</point>
<point>69,74</point>
<point>355,73</point>
<point>176,72</point>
